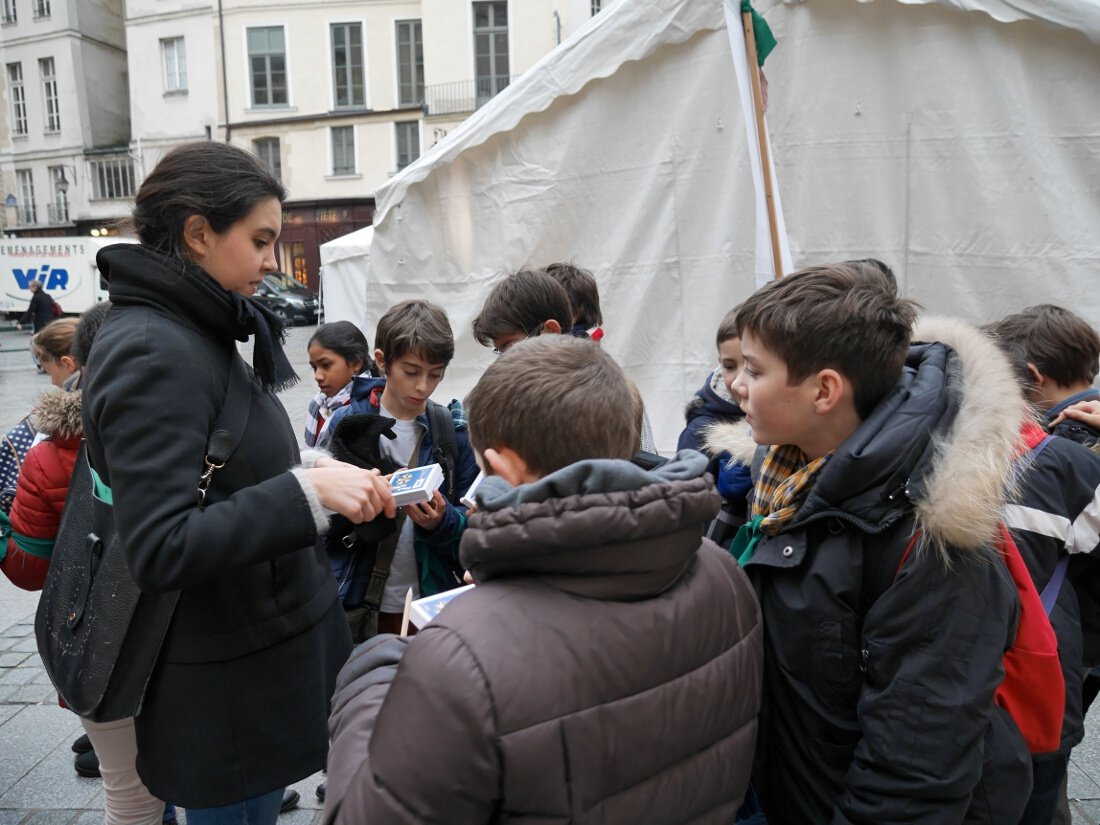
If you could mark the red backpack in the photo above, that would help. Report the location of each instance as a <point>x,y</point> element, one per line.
<point>1033,690</point>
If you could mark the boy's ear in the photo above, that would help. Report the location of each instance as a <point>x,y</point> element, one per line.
<point>1037,377</point>
<point>551,327</point>
<point>508,465</point>
<point>380,360</point>
<point>195,230</point>
<point>831,389</point>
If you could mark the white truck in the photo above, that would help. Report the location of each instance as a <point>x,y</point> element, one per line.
<point>65,267</point>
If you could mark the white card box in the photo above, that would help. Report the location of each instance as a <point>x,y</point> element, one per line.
<point>416,485</point>
<point>425,609</point>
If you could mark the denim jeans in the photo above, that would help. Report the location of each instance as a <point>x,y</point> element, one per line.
<point>1049,771</point>
<point>259,810</point>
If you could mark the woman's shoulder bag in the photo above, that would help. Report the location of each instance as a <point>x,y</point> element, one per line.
<point>99,636</point>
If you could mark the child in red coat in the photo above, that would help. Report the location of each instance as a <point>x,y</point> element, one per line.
<point>40,494</point>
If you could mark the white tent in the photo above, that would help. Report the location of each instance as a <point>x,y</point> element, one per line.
<point>957,140</point>
<point>344,277</point>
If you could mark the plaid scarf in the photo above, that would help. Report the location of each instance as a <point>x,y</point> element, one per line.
<point>320,412</point>
<point>786,477</point>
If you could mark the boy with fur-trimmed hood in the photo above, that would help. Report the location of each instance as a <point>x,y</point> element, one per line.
<point>871,548</point>
<point>605,669</point>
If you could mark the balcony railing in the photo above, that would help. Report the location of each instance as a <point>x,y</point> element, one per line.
<point>26,215</point>
<point>58,212</point>
<point>463,96</point>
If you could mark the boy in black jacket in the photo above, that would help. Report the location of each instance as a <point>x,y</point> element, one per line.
<point>886,612</point>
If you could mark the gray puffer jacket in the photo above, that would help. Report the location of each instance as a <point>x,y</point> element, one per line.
<point>606,669</point>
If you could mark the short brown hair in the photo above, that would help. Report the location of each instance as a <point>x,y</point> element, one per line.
<point>55,340</point>
<point>1061,345</point>
<point>522,302</point>
<point>583,292</point>
<point>554,400</point>
<point>728,328</point>
<point>834,317</point>
<point>418,327</point>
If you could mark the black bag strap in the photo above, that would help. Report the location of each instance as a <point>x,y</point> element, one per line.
<point>230,423</point>
<point>380,572</point>
<point>444,442</point>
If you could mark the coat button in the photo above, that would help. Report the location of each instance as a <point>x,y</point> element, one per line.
<point>788,551</point>
<point>72,616</point>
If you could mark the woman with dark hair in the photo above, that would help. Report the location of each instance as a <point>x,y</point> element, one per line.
<point>236,707</point>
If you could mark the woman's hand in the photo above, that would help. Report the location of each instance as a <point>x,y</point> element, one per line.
<point>1087,412</point>
<point>428,514</point>
<point>359,495</point>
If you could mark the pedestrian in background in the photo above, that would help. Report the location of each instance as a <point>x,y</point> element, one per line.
<point>40,311</point>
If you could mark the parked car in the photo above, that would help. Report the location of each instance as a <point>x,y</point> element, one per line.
<point>290,300</point>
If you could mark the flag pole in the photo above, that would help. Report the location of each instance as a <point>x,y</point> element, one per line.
<point>762,139</point>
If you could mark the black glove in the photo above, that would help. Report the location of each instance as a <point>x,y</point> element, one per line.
<point>357,440</point>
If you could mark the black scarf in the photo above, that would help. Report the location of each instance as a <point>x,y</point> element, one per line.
<point>139,275</point>
<point>268,358</point>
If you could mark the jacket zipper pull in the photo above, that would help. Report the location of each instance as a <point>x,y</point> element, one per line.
<point>864,660</point>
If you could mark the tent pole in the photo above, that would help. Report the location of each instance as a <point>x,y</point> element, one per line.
<point>762,139</point>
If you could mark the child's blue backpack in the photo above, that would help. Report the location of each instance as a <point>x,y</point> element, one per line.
<point>16,444</point>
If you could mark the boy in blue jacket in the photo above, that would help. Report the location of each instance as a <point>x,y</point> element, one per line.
<point>716,403</point>
<point>414,346</point>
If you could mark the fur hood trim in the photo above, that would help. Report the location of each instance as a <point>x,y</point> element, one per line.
<point>58,413</point>
<point>971,472</point>
<point>973,465</point>
<point>734,437</point>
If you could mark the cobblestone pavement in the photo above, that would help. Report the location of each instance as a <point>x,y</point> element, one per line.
<point>38,785</point>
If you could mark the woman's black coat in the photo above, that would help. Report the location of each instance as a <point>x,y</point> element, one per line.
<point>239,701</point>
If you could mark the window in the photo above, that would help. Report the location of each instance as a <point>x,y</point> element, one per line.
<point>343,150</point>
<point>59,209</point>
<point>9,12</point>
<point>18,99</point>
<point>49,95</point>
<point>41,8</point>
<point>596,6</point>
<point>267,66</point>
<point>349,87</point>
<point>28,213</point>
<point>490,49</point>
<point>408,142</point>
<point>293,254</point>
<point>175,64</point>
<point>113,178</point>
<point>410,63</point>
<point>267,150</point>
